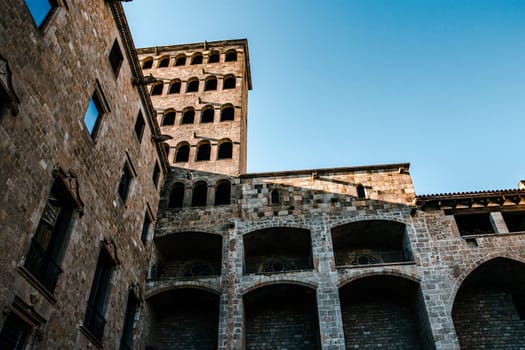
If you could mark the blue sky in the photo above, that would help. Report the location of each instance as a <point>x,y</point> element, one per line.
<point>437,83</point>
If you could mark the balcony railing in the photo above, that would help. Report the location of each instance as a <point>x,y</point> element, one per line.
<point>41,266</point>
<point>94,322</point>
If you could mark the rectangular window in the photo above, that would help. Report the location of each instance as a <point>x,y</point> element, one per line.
<point>145,228</point>
<point>40,10</point>
<point>139,126</point>
<point>5,101</point>
<point>474,224</point>
<point>93,115</point>
<point>48,243</point>
<point>94,319</point>
<point>156,174</point>
<point>125,182</point>
<point>15,333</point>
<point>126,342</point>
<point>115,57</point>
<point>515,221</point>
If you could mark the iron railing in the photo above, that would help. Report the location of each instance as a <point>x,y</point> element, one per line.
<point>41,266</point>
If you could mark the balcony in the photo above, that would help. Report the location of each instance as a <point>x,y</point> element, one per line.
<point>41,266</point>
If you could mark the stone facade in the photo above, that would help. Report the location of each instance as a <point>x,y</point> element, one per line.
<point>120,230</point>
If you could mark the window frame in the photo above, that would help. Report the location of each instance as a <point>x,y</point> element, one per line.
<point>140,126</point>
<point>54,5</point>
<point>124,188</point>
<point>99,101</point>
<point>116,50</point>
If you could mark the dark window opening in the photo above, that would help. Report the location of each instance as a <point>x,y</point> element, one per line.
<point>223,193</point>
<point>180,61</point>
<point>15,333</point>
<point>197,59</point>
<point>183,153</point>
<point>93,115</point>
<point>94,319</point>
<point>164,62</point>
<point>157,89</point>
<point>519,303</point>
<point>126,341</point>
<point>207,115</point>
<point>168,119</point>
<point>275,197</point>
<point>474,224</point>
<point>227,114</point>
<point>139,126</point>
<point>5,101</point>
<point>214,57</point>
<point>193,85</point>
<point>40,10</point>
<point>515,221</point>
<point>361,191</point>
<point>174,88</point>
<point>188,116</point>
<point>203,152</point>
<point>229,83</point>
<point>115,57</point>
<point>145,228</point>
<point>125,182</point>
<point>200,194</point>
<point>156,174</point>
<point>231,56</point>
<point>176,196</point>
<point>210,84</point>
<point>147,63</point>
<point>225,150</point>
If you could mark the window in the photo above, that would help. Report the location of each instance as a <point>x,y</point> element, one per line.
<point>168,119</point>
<point>203,151</point>
<point>200,193</point>
<point>223,193</point>
<point>94,318</point>
<point>48,243</point>
<point>207,114</point>
<point>193,85</point>
<point>214,57</point>
<point>229,82</point>
<point>188,116</point>
<point>474,224</point>
<point>93,115</point>
<point>164,62</point>
<point>147,63</point>
<point>361,191</point>
<point>225,150</point>
<point>227,113</point>
<point>125,182</point>
<point>115,57</point>
<point>196,59</point>
<point>40,10</point>
<point>14,333</point>
<point>180,60</point>
<point>275,197</point>
<point>231,56</point>
<point>5,100</point>
<point>210,84</point>
<point>515,220</point>
<point>126,341</point>
<point>139,126</point>
<point>145,228</point>
<point>156,174</point>
<point>174,87</point>
<point>157,89</point>
<point>176,196</point>
<point>183,153</point>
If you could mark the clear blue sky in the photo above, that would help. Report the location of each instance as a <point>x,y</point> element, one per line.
<point>437,83</point>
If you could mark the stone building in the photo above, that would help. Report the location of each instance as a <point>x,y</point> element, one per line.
<point>129,220</point>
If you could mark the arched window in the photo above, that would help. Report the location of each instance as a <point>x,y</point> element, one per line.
<point>361,191</point>
<point>231,56</point>
<point>225,150</point>
<point>180,60</point>
<point>188,116</point>
<point>157,89</point>
<point>210,84</point>
<point>176,195</point>
<point>227,113</point>
<point>183,152</point>
<point>275,196</point>
<point>207,114</point>
<point>203,151</point>
<point>214,57</point>
<point>200,194</point>
<point>197,58</point>
<point>174,87</point>
<point>229,82</point>
<point>193,85</point>
<point>147,63</point>
<point>223,193</point>
<point>168,118</point>
<point>164,62</point>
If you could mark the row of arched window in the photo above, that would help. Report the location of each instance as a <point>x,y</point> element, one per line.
<point>207,115</point>
<point>199,194</point>
<point>224,151</point>
<point>192,85</point>
<point>196,58</point>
